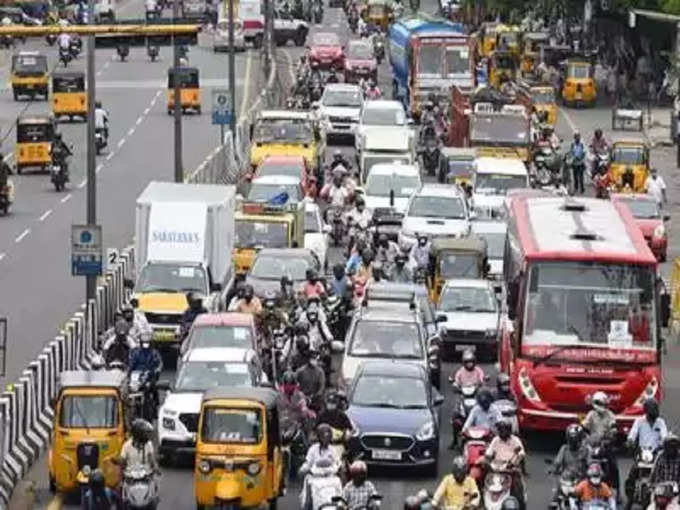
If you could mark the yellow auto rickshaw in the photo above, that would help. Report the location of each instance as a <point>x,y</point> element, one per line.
<point>541,97</point>
<point>487,38</point>
<point>629,154</point>
<point>508,39</point>
<point>29,75</point>
<point>502,63</point>
<point>455,258</point>
<point>238,449</point>
<point>189,89</point>
<point>579,86</point>
<point>532,42</point>
<point>35,134</point>
<point>69,98</point>
<point>89,428</point>
<point>457,165</point>
<point>378,12</point>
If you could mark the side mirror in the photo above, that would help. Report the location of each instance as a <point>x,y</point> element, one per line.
<point>315,105</point>
<point>128,283</point>
<point>215,287</point>
<point>410,122</point>
<point>440,318</point>
<point>327,229</point>
<point>438,398</point>
<point>665,309</point>
<point>164,385</point>
<point>337,346</point>
<point>666,217</point>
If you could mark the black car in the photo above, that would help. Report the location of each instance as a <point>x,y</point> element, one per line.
<point>271,264</point>
<point>395,413</point>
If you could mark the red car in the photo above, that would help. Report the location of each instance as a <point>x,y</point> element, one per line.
<point>291,166</point>
<point>327,50</point>
<point>650,220</point>
<point>360,62</point>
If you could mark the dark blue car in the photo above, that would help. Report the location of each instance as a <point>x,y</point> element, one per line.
<point>395,412</point>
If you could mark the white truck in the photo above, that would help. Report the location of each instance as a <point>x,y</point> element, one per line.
<point>183,243</point>
<point>386,145</point>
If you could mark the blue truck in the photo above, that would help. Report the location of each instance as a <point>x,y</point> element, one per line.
<point>429,55</point>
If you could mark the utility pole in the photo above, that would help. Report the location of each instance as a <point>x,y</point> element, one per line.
<point>265,40</point>
<point>232,74</point>
<point>91,281</point>
<point>179,167</point>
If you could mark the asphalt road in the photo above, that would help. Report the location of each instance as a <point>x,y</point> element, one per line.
<point>37,291</point>
<point>177,482</point>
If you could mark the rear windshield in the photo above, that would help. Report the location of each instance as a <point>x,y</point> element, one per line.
<point>86,411</point>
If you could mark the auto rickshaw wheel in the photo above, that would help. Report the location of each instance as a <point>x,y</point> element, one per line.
<point>53,485</point>
<point>198,109</point>
<point>273,503</point>
<point>19,169</point>
<point>15,93</point>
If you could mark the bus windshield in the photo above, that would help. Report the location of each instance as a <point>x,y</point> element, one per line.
<point>585,304</point>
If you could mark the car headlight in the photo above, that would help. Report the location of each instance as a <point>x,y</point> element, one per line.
<point>355,429</point>
<point>660,231</point>
<point>490,333</point>
<point>425,432</point>
<point>649,392</point>
<point>527,387</point>
<point>204,467</point>
<point>168,423</point>
<point>254,468</point>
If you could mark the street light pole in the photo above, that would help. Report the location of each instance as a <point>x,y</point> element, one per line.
<point>179,167</point>
<point>232,75</point>
<point>91,281</point>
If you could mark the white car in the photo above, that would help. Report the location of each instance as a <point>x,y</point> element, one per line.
<point>202,369</point>
<point>263,189</point>
<point>339,108</point>
<point>493,178</point>
<point>221,36</point>
<point>379,113</point>
<point>469,315</point>
<point>437,210</point>
<point>103,11</point>
<point>493,232</point>
<point>316,232</point>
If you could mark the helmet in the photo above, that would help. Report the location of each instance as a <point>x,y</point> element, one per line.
<point>128,313</point>
<point>248,292</point>
<point>269,300</point>
<point>651,407</point>
<point>121,327</point>
<point>372,83</point>
<point>594,474</point>
<point>510,503</point>
<point>337,154</point>
<point>459,468</point>
<point>400,258</point>
<point>671,440</point>
<point>598,133</point>
<point>310,274</point>
<point>358,471</point>
<point>331,400</point>
<point>382,238</point>
<point>286,280</point>
<point>469,357</point>
<point>599,400</point>
<point>301,328</point>
<point>359,201</point>
<point>503,382</point>
<point>97,479</point>
<point>289,377</point>
<point>484,397</point>
<point>504,428</point>
<point>98,104</point>
<point>141,430</point>
<point>663,493</point>
<point>302,344</point>
<point>412,503</point>
<point>574,434</point>
<point>324,430</point>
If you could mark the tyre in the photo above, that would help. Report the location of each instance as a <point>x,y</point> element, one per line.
<point>53,485</point>
<point>15,93</point>
<point>257,41</point>
<point>198,110</point>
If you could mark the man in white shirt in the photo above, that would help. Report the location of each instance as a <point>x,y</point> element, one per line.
<point>655,186</point>
<point>101,119</point>
<point>64,41</point>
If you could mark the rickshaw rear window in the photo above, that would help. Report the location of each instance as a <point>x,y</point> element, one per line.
<point>242,426</point>
<point>68,84</point>
<point>628,155</point>
<point>89,411</point>
<point>188,80</point>
<point>34,133</point>
<point>32,63</point>
<point>578,71</point>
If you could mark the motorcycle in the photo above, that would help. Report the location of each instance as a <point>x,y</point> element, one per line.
<point>496,490</point>
<point>6,197</point>
<point>353,22</point>
<point>123,51</point>
<point>378,48</point>
<point>294,448</point>
<point>65,56</point>
<point>335,214</point>
<point>152,51</point>
<point>141,401</point>
<point>565,488</point>
<point>431,156</point>
<point>75,47</point>
<point>475,442</point>
<point>51,39</point>
<point>546,171</point>
<point>318,13</point>
<point>468,400</point>
<point>339,503</point>
<point>59,174</point>
<point>644,462</point>
<point>319,488</point>
<point>100,140</point>
<point>140,489</point>
<point>599,453</point>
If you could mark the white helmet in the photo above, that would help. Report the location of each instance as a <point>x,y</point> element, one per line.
<point>599,400</point>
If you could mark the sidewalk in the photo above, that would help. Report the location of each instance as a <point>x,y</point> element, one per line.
<point>658,132</point>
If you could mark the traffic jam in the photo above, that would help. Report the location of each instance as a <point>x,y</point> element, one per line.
<point>420,282</point>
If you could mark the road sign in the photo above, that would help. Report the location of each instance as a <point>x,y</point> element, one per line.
<point>86,250</point>
<point>111,258</point>
<point>221,106</point>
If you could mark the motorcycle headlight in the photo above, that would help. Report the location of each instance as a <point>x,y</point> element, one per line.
<point>425,432</point>
<point>204,467</point>
<point>168,423</point>
<point>527,387</point>
<point>649,392</point>
<point>660,231</point>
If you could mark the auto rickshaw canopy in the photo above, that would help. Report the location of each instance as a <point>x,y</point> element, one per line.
<point>629,152</point>
<point>68,81</point>
<point>188,77</point>
<point>533,41</point>
<point>29,62</point>
<point>110,379</point>
<point>35,128</point>
<point>460,244</point>
<point>579,69</point>
<point>265,396</point>
<point>504,60</point>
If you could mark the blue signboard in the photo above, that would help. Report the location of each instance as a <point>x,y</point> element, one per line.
<point>221,106</point>
<point>86,250</point>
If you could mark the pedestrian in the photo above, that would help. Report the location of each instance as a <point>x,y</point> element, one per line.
<point>656,187</point>
<point>578,153</point>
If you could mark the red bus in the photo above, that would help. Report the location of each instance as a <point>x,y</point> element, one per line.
<point>584,310</point>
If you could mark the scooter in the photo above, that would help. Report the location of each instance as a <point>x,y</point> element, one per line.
<point>496,490</point>
<point>140,489</point>
<point>6,197</point>
<point>467,401</point>
<point>335,215</point>
<point>123,52</point>
<point>141,402</point>
<point>475,442</point>
<point>152,51</point>
<point>100,140</point>
<point>431,156</point>
<point>59,175</point>
<point>75,47</point>
<point>65,56</point>
<point>319,488</point>
<point>51,39</point>
<point>644,462</point>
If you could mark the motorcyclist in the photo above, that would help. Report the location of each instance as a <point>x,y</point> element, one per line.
<point>334,412</point>
<point>572,456</point>
<point>321,450</point>
<point>373,92</point>
<point>387,251</point>
<point>667,465</point>
<point>503,391</point>
<point>101,119</point>
<point>287,298</point>
<point>324,471</point>
<point>335,193</point>
<point>5,172</point>
<point>139,322</point>
<point>119,346</point>
<point>457,489</point>
<point>599,424</point>
<point>273,318</point>
<point>312,382</point>
<point>319,333</point>
<point>506,452</point>
<point>332,77</point>
<point>593,488</point>
<point>98,496</point>
<point>598,143</point>
<point>292,403</point>
<point>419,257</point>
<point>483,414</point>
<point>340,284</point>
<point>578,153</point>
<point>400,272</point>
<point>470,373</point>
<point>195,309</point>
<point>313,287</point>
<point>249,303</point>
<point>664,497</point>
<point>338,160</point>
<point>139,449</point>
<point>64,41</point>
<point>358,491</point>
<point>60,151</point>
<point>301,352</point>
<point>358,216</point>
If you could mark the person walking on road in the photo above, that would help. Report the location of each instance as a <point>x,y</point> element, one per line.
<point>656,187</point>
<point>578,152</point>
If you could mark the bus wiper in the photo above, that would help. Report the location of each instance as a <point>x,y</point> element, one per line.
<point>554,353</point>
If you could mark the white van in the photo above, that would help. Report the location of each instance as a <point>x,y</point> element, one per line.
<point>386,145</point>
<point>493,178</point>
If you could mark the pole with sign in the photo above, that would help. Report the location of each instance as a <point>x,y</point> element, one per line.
<point>86,250</point>
<point>221,110</point>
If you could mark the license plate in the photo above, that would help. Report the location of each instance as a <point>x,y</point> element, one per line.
<point>461,348</point>
<point>29,86</point>
<point>164,336</point>
<point>385,455</point>
<point>578,96</point>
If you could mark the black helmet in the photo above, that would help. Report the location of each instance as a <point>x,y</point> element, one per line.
<point>310,274</point>
<point>484,397</point>
<point>289,377</point>
<point>302,344</point>
<point>598,133</point>
<point>510,503</point>
<point>128,313</point>
<point>141,430</point>
<point>651,407</point>
<point>97,479</point>
<point>359,201</point>
<point>248,291</point>
<point>503,382</point>
<point>286,280</point>
<point>459,468</point>
<point>331,398</point>
<point>412,503</point>
<point>301,328</point>
<point>504,428</point>
<point>97,104</point>
<point>574,434</point>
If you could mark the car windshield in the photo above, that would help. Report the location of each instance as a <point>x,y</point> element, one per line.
<point>312,223</point>
<point>508,39</point>
<point>457,60</point>
<point>283,130</point>
<point>273,268</point>
<point>543,96</point>
<point>369,161</point>
<point>397,392</point>
<point>451,208</point>
<point>89,411</point>
<point>349,98</point>
<point>628,155</point>
<point>325,39</point>
<point>467,299</point>
<point>199,376</point>
<point>251,234</point>
<point>223,425</point>
<point>643,209</point>
<point>500,184</point>
<point>495,243</point>
<point>578,72</point>
<point>360,51</point>
<point>172,278</point>
<point>383,117</point>
<point>386,339</point>
<point>430,60</point>
<point>510,129</point>
<point>221,336</point>
<point>581,303</point>
<point>261,192</point>
<point>459,265</point>
<point>380,185</point>
<point>275,168</point>
<point>461,167</point>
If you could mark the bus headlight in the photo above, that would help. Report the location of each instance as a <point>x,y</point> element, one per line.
<point>527,387</point>
<point>659,232</point>
<point>649,392</point>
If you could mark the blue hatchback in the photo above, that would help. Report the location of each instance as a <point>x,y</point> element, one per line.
<point>395,413</point>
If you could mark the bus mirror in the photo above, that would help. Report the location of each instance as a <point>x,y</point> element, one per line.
<point>665,309</point>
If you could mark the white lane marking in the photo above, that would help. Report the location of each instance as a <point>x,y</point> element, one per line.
<point>22,235</point>
<point>146,112</point>
<point>2,255</point>
<point>99,168</point>
<point>570,122</point>
<point>82,184</point>
<point>121,142</point>
<point>98,73</point>
<point>139,121</point>
<point>109,155</point>
<point>158,93</point>
<point>66,198</point>
<point>131,131</point>
<point>246,88</point>
<point>45,215</point>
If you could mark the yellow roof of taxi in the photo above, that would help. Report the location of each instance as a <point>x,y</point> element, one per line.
<point>91,379</point>
<point>459,243</point>
<point>507,166</point>
<point>284,114</point>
